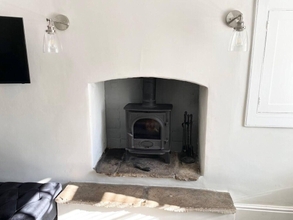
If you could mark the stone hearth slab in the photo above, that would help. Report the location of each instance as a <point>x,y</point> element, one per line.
<point>112,164</point>
<point>166,198</point>
<point>191,200</point>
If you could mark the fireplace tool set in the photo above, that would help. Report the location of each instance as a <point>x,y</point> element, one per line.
<point>187,155</point>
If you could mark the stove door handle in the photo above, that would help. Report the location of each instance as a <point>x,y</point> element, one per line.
<point>130,139</point>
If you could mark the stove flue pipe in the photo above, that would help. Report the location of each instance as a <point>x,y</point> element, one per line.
<point>149,92</point>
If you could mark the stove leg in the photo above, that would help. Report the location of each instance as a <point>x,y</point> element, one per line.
<point>126,155</point>
<point>167,158</point>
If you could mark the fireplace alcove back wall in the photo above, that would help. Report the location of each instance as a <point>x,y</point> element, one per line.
<point>183,95</point>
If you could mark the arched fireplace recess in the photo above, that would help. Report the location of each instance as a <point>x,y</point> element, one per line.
<point>147,117</point>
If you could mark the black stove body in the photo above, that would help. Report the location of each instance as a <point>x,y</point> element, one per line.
<point>148,124</point>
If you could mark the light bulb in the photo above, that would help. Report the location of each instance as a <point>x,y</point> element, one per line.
<point>238,41</point>
<point>51,43</point>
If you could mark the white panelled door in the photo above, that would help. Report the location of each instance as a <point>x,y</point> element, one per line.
<point>276,84</point>
<point>270,91</point>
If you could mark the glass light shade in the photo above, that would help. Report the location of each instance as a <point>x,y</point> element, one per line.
<point>238,41</point>
<point>51,43</point>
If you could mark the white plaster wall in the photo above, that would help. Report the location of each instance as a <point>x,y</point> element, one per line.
<point>97,107</point>
<point>45,128</point>
<point>202,124</point>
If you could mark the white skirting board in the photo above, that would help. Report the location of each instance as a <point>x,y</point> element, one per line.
<point>264,208</point>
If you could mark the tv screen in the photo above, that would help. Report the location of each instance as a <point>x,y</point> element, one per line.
<point>13,56</point>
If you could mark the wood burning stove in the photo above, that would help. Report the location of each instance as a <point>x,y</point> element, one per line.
<point>148,124</point>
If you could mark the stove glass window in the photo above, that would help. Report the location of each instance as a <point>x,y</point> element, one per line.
<point>147,129</point>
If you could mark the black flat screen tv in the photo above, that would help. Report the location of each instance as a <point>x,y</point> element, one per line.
<point>13,56</point>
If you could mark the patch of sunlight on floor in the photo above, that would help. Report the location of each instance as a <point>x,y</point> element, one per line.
<point>91,215</point>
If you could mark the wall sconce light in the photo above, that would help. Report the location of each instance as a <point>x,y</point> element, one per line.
<point>239,39</point>
<point>51,42</point>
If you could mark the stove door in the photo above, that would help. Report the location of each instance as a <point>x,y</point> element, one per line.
<point>147,128</point>
<point>147,134</point>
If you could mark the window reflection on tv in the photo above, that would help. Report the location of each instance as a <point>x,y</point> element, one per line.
<point>13,55</point>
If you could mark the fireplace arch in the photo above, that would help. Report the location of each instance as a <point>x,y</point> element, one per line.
<point>101,115</point>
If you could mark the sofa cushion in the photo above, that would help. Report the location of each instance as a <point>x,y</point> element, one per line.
<point>28,200</point>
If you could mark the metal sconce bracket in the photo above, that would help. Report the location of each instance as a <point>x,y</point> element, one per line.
<point>234,19</point>
<point>61,22</point>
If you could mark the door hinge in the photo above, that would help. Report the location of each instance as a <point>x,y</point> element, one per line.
<point>258,101</point>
